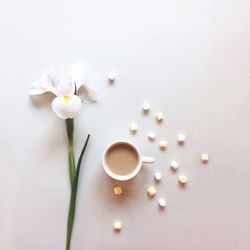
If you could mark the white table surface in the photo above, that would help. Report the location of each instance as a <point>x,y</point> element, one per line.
<point>188,59</point>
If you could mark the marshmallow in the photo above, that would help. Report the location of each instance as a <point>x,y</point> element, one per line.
<point>111,76</point>
<point>151,136</point>
<point>204,157</point>
<point>151,191</point>
<point>162,203</point>
<point>174,165</point>
<point>181,138</point>
<point>157,176</point>
<point>146,107</point>
<point>159,116</point>
<point>182,179</point>
<point>133,127</point>
<point>117,190</point>
<point>163,144</point>
<point>117,225</point>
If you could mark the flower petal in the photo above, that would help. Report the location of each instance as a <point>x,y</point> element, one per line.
<point>48,84</point>
<point>65,89</point>
<point>78,75</point>
<point>66,109</point>
<point>36,89</point>
<point>42,86</point>
<point>53,75</point>
<point>88,95</point>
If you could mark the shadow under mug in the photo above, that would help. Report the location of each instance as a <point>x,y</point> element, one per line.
<point>141,160</point>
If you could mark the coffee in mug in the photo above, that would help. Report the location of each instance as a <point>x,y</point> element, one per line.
<point>122,160</point>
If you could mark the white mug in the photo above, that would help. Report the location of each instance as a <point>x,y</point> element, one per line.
<point>141,160</point>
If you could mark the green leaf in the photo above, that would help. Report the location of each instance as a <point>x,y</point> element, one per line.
<point>71,214</point>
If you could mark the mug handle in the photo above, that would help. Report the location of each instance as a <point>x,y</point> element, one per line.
<point>147,159</point>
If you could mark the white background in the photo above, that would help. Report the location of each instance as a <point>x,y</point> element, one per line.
<point>188,59</point>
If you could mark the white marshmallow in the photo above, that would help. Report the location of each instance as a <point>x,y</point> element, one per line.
<point>151,136</point>
<point>163,144</point>
<point>174,165</point>
<point>204,157</point>
<point>162,203</point>
<point>181,138</point>
<point>146,107</point>
<point>157,176</point>
<point>133,127</point>
<point>117,225</point>
<point>182,179</point>
<point>151,191</point>
<point>111,76</point>
<point>159,116</point>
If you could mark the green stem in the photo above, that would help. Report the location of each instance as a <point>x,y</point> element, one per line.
<point>71,163</point>
<point>72,206</point>
<point>70,132</point>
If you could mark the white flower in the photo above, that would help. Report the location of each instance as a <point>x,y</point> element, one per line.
<point>78,78</point>
<point>67,103</point>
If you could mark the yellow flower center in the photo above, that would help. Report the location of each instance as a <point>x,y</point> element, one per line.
<point>66,99</point>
